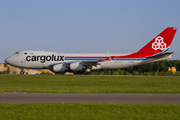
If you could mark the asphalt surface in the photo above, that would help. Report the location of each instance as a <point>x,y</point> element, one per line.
<point>88,98</point>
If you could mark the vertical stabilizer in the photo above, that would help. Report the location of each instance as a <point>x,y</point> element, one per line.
<point>160,43</point>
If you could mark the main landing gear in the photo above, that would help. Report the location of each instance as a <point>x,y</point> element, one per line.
<point>22,72</point>
<point>82,73</point>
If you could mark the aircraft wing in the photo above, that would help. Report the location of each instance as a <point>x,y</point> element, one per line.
<point>86,62</point>
<point>83,62</point>
<point>78,65</point>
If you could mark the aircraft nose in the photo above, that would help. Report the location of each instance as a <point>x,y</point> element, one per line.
<point>8,60</point>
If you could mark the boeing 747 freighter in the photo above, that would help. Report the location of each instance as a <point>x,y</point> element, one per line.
<point>155,50</point>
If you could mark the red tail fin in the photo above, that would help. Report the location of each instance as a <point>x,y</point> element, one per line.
<point>160,43</point>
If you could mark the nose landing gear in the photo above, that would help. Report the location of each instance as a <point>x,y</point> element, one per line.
<point>22,72</point>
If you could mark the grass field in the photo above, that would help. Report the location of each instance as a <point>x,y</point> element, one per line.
<point>89,84</point>
<point>86,111</point>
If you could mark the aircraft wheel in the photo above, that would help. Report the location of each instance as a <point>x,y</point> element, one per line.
<point>88,73</point>
<point>22,72</point>
<point>78,73</point>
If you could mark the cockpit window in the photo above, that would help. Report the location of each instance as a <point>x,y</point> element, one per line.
<point>17,53</point>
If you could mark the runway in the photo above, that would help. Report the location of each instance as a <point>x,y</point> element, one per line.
<point>88,98</point>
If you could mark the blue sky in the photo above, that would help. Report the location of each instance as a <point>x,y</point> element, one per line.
<point>90,26</point>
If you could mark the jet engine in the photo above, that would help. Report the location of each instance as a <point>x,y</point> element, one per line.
<point>59,68</point>
<point>77,66</point>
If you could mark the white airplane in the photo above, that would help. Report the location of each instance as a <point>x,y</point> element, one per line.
<point>155,50</point>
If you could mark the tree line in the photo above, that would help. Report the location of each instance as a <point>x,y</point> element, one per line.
<point>156,68</point>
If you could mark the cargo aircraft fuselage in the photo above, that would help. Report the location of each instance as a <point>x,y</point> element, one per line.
<point>155,50</point>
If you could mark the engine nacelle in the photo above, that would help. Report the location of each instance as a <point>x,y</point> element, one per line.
<point>77,66</point>
<point>59,68</point>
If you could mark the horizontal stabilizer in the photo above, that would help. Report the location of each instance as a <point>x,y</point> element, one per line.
<point>161,55</point>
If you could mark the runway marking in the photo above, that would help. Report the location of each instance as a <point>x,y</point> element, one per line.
<point>88,98</point>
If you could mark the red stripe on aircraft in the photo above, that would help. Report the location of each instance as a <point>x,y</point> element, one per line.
<point>83,57</point>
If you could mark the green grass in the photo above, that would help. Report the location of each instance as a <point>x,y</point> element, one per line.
<point>89,84</point>
<point>89,111</point>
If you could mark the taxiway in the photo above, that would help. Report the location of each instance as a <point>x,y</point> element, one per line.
<point>88,98</point>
